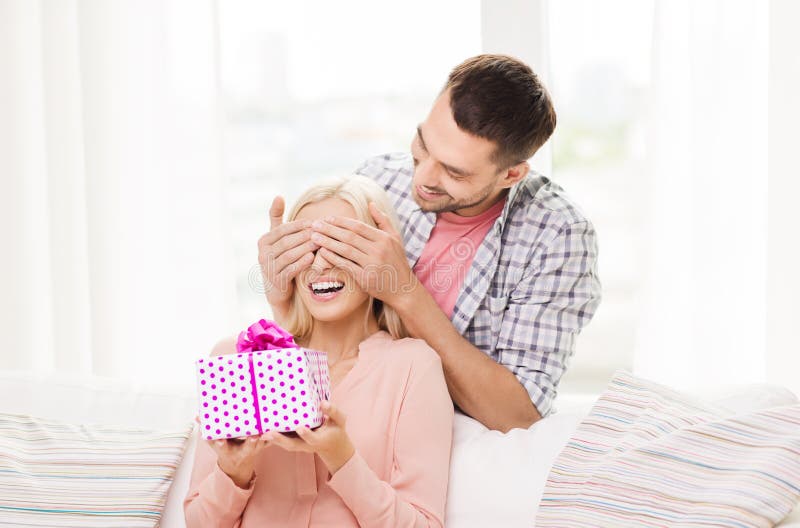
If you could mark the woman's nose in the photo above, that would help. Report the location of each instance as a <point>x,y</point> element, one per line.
<point>320,263</point>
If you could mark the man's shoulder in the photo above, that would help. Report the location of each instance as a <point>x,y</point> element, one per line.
<point>395,169</point>
<point>394,172</point>
<point>541,203</point>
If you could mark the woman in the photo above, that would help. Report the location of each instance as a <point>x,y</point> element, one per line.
<point>382,456</point>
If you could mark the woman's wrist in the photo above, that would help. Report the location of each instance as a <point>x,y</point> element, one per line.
<point>335,461</point>
<point>243,483</point>
<point>242,479</point>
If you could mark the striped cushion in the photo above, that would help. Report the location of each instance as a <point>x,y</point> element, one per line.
<point>57,474</point>
<point>649,456</point>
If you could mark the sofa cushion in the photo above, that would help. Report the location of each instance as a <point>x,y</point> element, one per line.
<point>55,474</point>
<point>647,455</point>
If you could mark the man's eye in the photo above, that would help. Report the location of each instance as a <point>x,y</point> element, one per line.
<point>454,176</point>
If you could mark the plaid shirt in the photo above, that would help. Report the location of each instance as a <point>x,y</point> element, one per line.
<point>532,285</point>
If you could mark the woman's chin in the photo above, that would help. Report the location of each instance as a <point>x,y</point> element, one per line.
<point>331,309</point>
<point>329,314</point>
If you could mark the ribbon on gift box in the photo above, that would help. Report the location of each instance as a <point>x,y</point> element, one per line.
<point>262,335</point>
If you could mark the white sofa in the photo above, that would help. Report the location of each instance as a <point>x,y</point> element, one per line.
<point>496,479</point>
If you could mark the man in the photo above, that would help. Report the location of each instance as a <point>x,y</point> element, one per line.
<point>507,262</point>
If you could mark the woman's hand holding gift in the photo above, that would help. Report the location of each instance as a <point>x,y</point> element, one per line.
<point>329,441</point>
<point>237,457</point>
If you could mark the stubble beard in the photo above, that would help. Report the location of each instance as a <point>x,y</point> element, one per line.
<point>466,203</point>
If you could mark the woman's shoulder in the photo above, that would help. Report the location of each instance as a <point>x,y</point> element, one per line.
<point>406,350</point>
<point>224,346</point>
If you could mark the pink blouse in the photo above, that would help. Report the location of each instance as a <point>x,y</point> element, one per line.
<point>400,420</point>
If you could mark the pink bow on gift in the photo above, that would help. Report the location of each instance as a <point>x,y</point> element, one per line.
<point>264,335</point>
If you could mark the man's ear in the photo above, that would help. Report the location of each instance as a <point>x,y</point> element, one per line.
<point>514,174</point>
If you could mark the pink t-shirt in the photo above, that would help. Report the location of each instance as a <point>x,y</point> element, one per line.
<point>446,258</point>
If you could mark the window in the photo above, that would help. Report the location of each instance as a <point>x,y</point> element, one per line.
<point>600,72</point>
<point>311,90</point>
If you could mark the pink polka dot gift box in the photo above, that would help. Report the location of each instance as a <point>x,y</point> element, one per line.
<point>270,384</point>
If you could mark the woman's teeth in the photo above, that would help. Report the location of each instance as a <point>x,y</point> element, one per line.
<point>326,287</point>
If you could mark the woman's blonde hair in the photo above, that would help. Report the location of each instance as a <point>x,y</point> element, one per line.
<point>358,191</point>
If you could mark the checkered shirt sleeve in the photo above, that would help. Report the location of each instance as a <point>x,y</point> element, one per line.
<point>556,297</point>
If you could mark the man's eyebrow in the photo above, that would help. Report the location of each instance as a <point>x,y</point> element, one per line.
<point>421,139</point>
<point>450,168</point>
<point>456,170</point>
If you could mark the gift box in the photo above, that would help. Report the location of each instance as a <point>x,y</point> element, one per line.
<point>270,384</point>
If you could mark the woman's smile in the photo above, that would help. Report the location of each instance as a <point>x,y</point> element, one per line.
<point>325,290</point>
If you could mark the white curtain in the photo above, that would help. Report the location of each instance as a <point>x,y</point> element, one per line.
<point>783,262</point>
<point>528,41</point>
<point>703,317</point>
<point>112,213</point>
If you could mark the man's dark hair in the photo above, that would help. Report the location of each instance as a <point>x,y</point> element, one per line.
<point>499,98</point>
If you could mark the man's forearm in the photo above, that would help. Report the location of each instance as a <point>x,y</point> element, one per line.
<point>482,388</point>
<point>279,311</point>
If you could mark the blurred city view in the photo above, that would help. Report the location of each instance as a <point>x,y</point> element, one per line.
<point>311,96</point>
